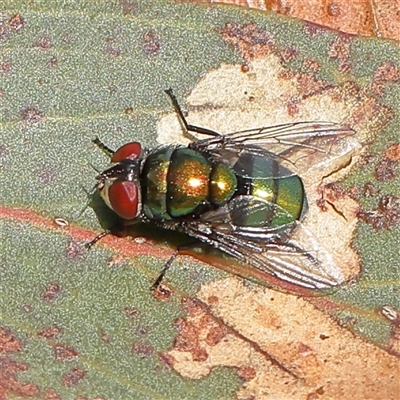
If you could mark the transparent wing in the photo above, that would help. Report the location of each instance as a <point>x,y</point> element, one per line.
<point>263,248</point>
<point>287,144</point>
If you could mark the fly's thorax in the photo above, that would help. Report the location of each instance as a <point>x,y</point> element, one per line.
<point>178,181</point>
<point>274,194</point>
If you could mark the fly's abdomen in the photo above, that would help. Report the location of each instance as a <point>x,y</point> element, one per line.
<point>280,189</point>
<point>176,181</point>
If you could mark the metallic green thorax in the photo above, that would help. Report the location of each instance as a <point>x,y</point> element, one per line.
<point>180,181</point>
<point>177,181</point>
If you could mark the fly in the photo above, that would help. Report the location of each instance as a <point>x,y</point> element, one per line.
<point>236,192</point>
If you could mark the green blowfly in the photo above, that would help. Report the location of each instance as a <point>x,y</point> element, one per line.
<point>233,191</point>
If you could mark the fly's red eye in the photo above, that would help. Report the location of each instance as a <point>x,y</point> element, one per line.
<point>129,150</point>
<point>123,197</point>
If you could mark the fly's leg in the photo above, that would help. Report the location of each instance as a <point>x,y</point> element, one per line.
<point>167,265</point>
<point>100,236</point>
<point>188,128</point>
<point>158,281</point>
<point>103,147</point>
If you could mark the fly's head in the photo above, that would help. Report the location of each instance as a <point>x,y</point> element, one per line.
<point>119,185</point>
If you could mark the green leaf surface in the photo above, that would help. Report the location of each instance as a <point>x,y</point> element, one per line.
<point>86,323</point>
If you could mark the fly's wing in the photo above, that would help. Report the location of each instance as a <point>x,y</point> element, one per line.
<point>297,144</point>
<point>265,249</point>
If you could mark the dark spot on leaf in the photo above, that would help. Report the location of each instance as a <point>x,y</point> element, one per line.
<point>73,377</point>
<point>16,23</point>
<point>131,312</point>
<point>5,66</point>
<point>44,43</point>
<point>27,308</point>
<point>167,359</point>
<point>370,190</point>
<point>142,330</point>
<point>339,50</point>
<point>250,40</point>
<point>213,300</point>
<point>162,293</point>
<point>4,151</point>
<point>322,336</point>
<point>311,29</point>
<point>129,7</point>
<point>52,62</point>
<point>74,250</point>
<point>330,193</point>
<point>245,68</point>
<point>104,336</point>
<point>289,54</point>
<point>151,43</point>
<point>51,292</point>
<point>143,350</point>
<point>386,170</point>
<point>64,352</point>
<point>50,333</point>
<point>334,10</point>
<point>128,110</point>
<point>46,175</point>
<point>113,50</point>
<point>246,373</point>
<point>32,115</point>
<point>386,215</point>
<point>386,72</point>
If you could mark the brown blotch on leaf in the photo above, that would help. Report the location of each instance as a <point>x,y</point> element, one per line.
<point>247,373</point>
<point>339,50</point>
<point>64,352</point>
<point>151,43</point>
<point>386,72</point>
<point>51,292</point>
<point>50,333</point>
<point>385,170</point>
<point>216,334</point>
<point>16,23</point>
<point>188,340</point>
<point>9,382</point>
<point>193,306</point>
<point>251,40</point>
<point>129,7</point>
<point>289,54</point>
<point>330,193</point>
<point>385,216</point>
<point>393,152</point>
<point>73,377</point>
<point>143,350</point>
<point>32,115</point>
<point>51,394</point>
<point>8,342</point>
